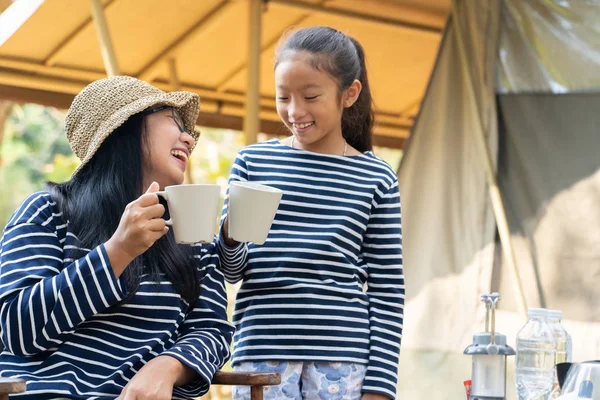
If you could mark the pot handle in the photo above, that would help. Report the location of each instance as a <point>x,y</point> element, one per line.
<point>561,372</point>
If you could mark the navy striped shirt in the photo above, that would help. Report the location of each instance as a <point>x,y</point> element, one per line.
<point>337,232</point>
<point>63,331</point>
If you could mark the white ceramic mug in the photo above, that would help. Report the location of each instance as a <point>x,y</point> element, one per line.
<point>193,209</point>
<point>252,208</point>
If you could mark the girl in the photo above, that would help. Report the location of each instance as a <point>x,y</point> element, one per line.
<point>97,300</point>
<point>301,309</point>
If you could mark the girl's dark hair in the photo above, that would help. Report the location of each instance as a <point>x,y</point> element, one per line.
<point>343,58</point>
<point>94,200</point>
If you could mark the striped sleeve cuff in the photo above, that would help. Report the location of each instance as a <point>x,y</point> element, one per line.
<point>116,289</point>
<point>198,387</point>
<point>382,376</point>
<point>232,260</point>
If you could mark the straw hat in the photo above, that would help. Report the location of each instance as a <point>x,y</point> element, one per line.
<point>104,105</point>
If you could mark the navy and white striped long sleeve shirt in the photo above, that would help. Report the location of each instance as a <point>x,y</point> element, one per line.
<point>337,230</point>
<point>63,332</point>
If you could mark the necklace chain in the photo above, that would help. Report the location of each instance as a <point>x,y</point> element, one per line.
<point>345,144</point>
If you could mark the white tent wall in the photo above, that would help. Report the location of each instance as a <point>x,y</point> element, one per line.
<point>450,251</point>
<point>448,224</point>
<point>549,173</point>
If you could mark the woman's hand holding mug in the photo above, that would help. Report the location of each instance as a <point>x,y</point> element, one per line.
<point>141,225</point>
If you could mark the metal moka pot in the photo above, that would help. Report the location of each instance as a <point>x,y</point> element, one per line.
<point>579,380</point>
<point>489,351</point>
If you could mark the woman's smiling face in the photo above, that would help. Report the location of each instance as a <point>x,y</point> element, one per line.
<point>167,148</point>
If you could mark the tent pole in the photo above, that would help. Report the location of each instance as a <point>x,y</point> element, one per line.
<point>494,191</point>
<point>251,119</point>
<point>176,85</point>
<point>108,53</point>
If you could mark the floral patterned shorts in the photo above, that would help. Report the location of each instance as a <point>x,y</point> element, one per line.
<point>307,380</point>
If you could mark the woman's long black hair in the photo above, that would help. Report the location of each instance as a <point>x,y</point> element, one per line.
<point>94,199</point>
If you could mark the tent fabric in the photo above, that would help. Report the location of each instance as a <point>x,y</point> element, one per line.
<point>448,229</point>
<point>448,226</point>
<point>548,172</point>
<point>202,46</point>
<point>549,46</point>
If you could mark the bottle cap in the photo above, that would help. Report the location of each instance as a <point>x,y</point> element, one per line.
<point>537,313</point>
<point>555,314</point>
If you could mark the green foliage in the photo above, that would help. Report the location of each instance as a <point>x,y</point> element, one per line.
<point>34,150</point>
<point>214,154</point>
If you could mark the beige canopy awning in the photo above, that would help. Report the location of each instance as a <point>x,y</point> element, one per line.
<point>49,50</point>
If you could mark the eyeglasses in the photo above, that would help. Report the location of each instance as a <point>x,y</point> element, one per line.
<point>174,114</point>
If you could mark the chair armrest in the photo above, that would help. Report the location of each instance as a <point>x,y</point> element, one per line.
<point>11,385</point>
<point>247,378</point>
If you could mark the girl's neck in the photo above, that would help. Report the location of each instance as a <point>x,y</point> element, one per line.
<point>333,147</point>
<point>294,145</point>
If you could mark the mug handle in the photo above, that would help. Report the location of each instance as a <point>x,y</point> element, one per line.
<point>164,195</point>
<point>228,215</point>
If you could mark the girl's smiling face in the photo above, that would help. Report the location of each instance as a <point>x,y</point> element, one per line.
<point>308,101</point>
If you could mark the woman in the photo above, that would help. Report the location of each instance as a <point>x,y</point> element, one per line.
<point>96,298</point>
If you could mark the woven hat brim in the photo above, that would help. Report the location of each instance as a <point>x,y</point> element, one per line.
<point>186,103</point>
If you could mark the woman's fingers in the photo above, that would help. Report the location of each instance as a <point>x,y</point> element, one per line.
<point>156,225</point>
<point>154,211</point>
<point>147,199</point>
